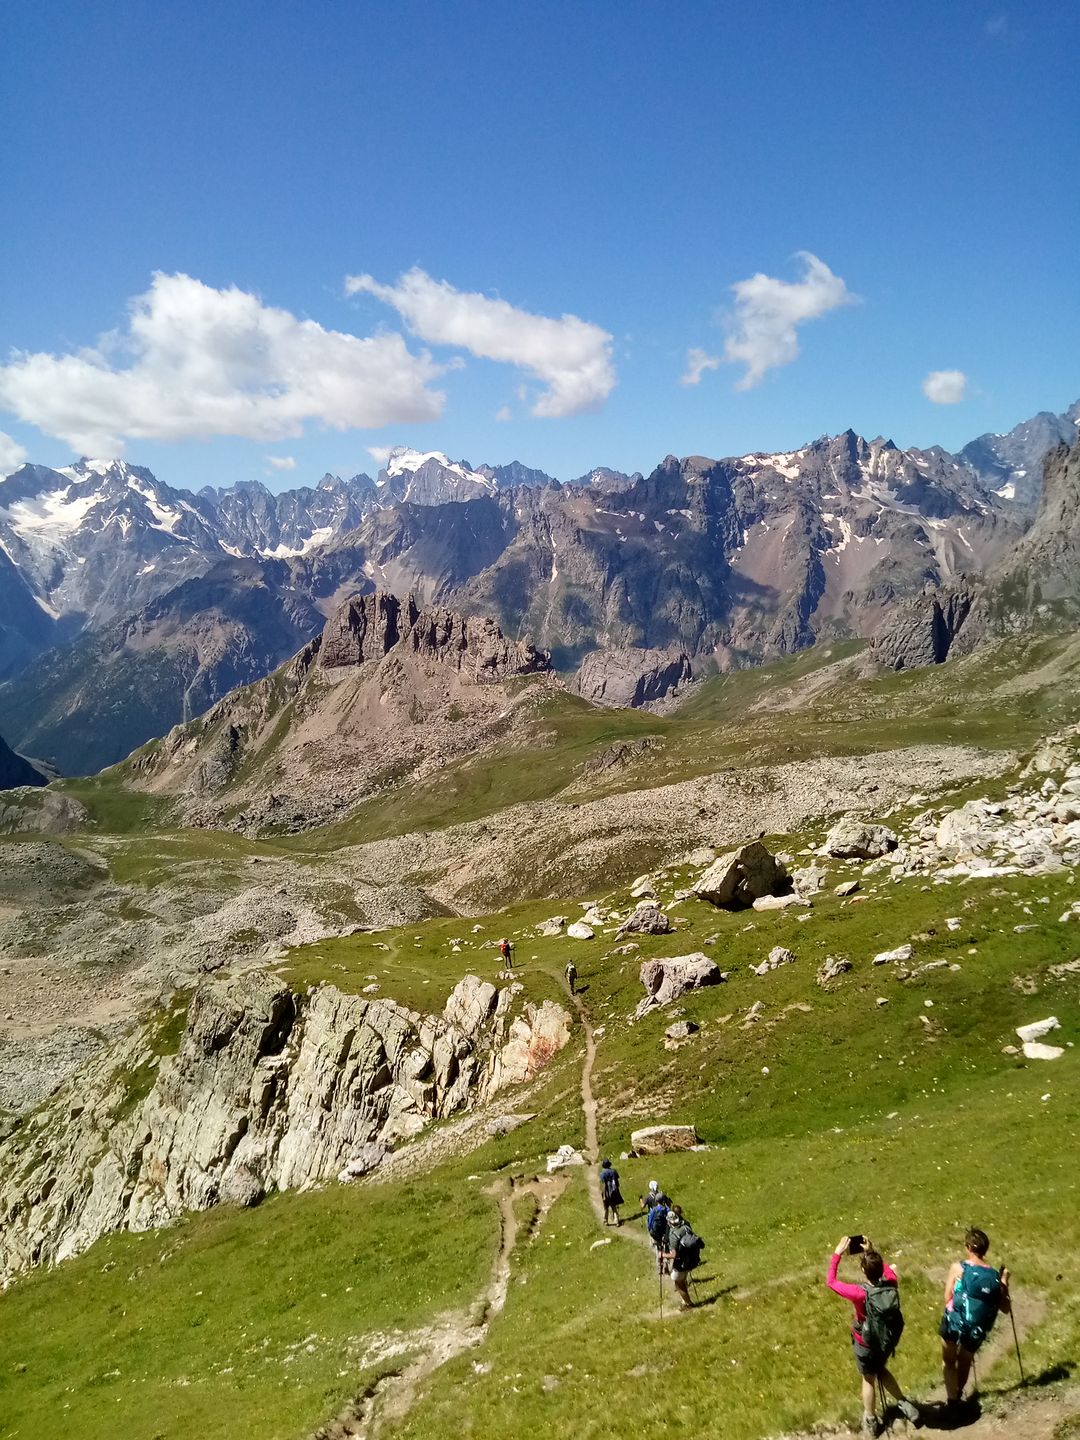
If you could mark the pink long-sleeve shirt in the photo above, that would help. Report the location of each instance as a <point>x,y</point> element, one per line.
<point>855,1293</point>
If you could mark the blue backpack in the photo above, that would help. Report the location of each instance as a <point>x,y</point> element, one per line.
<point>976,1302</point>
<point>657,1223</point>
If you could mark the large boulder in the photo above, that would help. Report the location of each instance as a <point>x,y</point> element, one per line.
<point>967,831</point>
<point>631,678</point>
<point>647,919</point>
<point>742,876</point>
<point>662,1139</point>
<point>854,839</point>
<point>666,980</point>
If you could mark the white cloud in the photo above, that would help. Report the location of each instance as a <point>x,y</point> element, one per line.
<point>504,413</point>
<point>697,362</point>
<point>945,387</point>
<point>281,462</point>
<point>381,453</point>
<point>572,357</point>
<point>12,454</point>
<point>203,362</point>
<point>768,312</point>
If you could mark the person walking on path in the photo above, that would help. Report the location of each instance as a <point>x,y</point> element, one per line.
<point>683,1251</point>
<point>610,1192</point>
<point>571,975</point>
<point>877,1329</point>
<point>974,1294</point>
<point>506,950</point>
<point>655,1205</point>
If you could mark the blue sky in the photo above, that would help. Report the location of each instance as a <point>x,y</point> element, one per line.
<point>623,164</point>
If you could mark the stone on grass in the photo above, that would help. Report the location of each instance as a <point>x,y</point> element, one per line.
<point>854,839</point>
<point>778,956</point>
<point>550,928</point>
<point>580,931</point>
<point>831,968</point>
<point>646,919</point>
<point>242,1188</point>
<point>1038,1028</point>
<point>681,1030</point>
<point>662,1139</point>
<point>846,887</point>
<point>741,877</point>
<point>1033,1050</point>
<point>667,980</point>
<point>810,880</point>
<point>504,1124</point>
<point>780,902</point>
<point>902,952</point>
<point>564,1156</point>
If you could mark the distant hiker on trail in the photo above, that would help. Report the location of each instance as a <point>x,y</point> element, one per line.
<point>974,1293</point>
<point>877,1329</point>
<point>610,1192</point>
<point>655,1204</point>
<point>683,1251</point>
<point>506,950</point>
<point>571,975</point>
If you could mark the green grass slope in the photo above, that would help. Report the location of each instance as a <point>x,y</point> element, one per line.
<point>829,1113</point>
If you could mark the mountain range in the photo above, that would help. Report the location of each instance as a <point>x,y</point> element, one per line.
<point>129,606</point>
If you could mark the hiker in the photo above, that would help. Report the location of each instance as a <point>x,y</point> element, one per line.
<point>974,1294</point>
<point>610,1192</point>
<point>877,1329</point>
<point>655,1204</point>
<point>683,1250</point>
<point>506,950</point>
<point>571,975</point>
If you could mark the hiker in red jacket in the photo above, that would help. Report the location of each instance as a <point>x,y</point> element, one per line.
<point>876,1332</point>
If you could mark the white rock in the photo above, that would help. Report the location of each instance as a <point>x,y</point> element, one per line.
<point>1033,1050</point>
<point>580,931</point>
<point>1038,1028</point>
<point>886,957</point>
<point>564,1156</point>
<point>780,902</point>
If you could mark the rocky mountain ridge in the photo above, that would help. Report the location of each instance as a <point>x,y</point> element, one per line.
<point>390,689</point>
<point>732,561</point>
<point>15,771</point>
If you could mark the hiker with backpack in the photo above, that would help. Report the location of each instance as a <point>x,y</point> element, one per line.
<point>655,1204</point>
<point>878,1326</point>
<point>571,975</point>
<point>683,1251</point>
<point>506,950</point>
<point>974,1295</point>
<point>610,1192</point>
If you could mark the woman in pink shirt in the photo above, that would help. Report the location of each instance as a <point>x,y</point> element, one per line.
<point>873,1344</point>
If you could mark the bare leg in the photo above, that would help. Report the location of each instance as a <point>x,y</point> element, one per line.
<point>888,1380</point>
<point>963,1368</point>
<point>869,1396</point>
<point>953,1386</point>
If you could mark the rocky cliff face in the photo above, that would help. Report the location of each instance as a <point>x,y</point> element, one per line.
<point>391,689</point>
<point>631,678</point>
<point>923,631</point>
<point>1046,562</point>
<point>270,1090</point>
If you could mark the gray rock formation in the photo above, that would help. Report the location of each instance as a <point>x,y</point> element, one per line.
<point>739,878</point>
<point>646,919</point>
<point>667,980</point>
<point>831,968</point>
<point>662,1139</point>
<point>922,631</point>
<point>630,678</point>
<point>269,1091</point>
<point>852,838</point>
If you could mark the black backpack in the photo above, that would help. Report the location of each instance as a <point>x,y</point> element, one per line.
<point>688,1248</point>
<point>883,1323</point>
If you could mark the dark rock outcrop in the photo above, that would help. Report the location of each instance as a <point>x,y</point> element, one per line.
<point>923,631</point>
<point>15,771</point>
<point>630,678</point>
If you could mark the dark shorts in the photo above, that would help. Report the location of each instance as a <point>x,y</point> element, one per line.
<point>868,1366</point>
<point>954,1335</point>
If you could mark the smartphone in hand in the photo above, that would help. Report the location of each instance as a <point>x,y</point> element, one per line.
<point>855,1244</point>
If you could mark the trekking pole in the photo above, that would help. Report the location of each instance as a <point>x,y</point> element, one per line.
<point>1016,1338</point>
<point>661,1276</point>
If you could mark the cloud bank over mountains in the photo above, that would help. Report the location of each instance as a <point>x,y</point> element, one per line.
<point>570,356</point>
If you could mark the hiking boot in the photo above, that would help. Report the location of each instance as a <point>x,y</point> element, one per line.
<point>871,1425</point>
<point>910,1411</point>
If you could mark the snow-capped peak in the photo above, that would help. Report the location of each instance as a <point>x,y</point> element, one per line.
<point>404,461</point>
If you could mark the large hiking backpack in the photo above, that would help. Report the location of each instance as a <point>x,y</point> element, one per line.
<point>657,1223</point>
<point>883,1322</point>
<point>688,1248</point>
<point>609,1183</point>
<point>976,1302</point>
